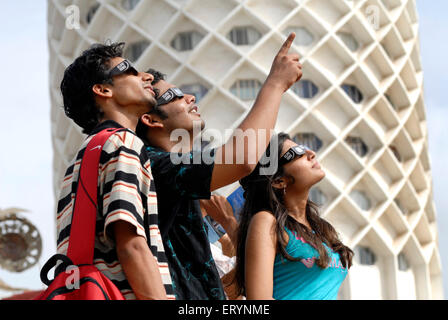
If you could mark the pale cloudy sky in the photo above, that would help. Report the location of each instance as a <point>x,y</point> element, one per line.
<point>26,156</point>
<point>434,48</point>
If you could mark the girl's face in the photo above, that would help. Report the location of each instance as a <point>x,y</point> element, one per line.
<point>305,169</point>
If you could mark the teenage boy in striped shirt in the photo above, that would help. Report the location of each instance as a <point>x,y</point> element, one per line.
<point>102,90</point>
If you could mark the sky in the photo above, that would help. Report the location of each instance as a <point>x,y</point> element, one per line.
<point>433,49</point>
<point>26,156</point>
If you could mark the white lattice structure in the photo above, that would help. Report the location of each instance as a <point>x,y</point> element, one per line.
<point>360,106</point>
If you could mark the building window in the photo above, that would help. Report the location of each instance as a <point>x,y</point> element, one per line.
<point>349,40</point>
<point>353,92</point>
<point>386,50</point>
<point>243,36</point>
<point>390,101</point>
<point>403,264</point>
<point>196,89</point>
<point>360,198</point>
<point>358,145</point>
<point>136,49</point>
<point>246,89</point>
<point>93,9</point>
<point>400,206</point>
<point>305,89</point>
<point>396,153</point>
<point>185,41</point>
<point>317,196</point>
<point>129,5</point>
<point>308,139</point>
<point>365,256</point>
<point>303,36</point>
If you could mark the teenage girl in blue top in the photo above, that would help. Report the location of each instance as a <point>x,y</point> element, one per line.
<point>285,249</point>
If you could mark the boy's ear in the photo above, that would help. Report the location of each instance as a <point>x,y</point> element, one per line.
<point>102,91</point>
<point>151,121</point>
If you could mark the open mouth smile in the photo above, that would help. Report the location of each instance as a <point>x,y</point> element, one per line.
<point>194,109</point>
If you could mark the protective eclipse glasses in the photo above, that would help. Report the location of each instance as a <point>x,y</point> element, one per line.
<point>123,67</point>
<point>292,153</point>
<point>170,95</point>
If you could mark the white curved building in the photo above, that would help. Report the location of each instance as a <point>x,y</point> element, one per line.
<point>359,104</point>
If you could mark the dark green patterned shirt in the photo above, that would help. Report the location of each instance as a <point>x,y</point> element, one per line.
<point>179,188</point>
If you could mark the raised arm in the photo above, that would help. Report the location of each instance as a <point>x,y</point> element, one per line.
<point>285,71</point>
<point>221,211</point>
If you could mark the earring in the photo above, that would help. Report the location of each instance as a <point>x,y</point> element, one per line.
<point>284,190</point>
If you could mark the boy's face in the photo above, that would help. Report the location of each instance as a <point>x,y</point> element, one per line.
<point>181,112</point>
<point>131,88</point>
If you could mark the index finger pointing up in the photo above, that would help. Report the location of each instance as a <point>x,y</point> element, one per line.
<point>287,44</point>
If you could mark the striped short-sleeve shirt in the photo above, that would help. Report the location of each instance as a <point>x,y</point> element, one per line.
<point>126,191</point>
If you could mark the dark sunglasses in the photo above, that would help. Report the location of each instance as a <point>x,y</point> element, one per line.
<point>123,67</point>
<point>292,153</point>
<point>170,95</point>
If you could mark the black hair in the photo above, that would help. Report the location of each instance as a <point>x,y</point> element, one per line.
<point>157,75</point>
<point>141,129</point>
<point>76,87</point>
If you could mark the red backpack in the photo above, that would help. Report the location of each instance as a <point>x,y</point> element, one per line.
<point>77,278</point>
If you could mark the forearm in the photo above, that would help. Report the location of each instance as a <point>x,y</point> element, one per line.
<point>138,263</point>
<point>220,210</point>
<point>142,271</point>
<point>228,248</point>
<point>263,114</point>
<point>259,277</point>
<point>231,226</point>
<point>259,296</point>
<point>230,286</point>
<point>239,156</point>
<point>257,126</point>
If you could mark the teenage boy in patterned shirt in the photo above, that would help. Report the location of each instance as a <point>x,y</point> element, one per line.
<point>102,90</point>
<point>180,186</point>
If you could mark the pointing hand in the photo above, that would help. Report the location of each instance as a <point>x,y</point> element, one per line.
<point>286,68</point>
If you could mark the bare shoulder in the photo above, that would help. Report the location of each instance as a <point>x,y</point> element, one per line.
<point>263,222</point>
<point>263,217</point>
<point>261,232</point>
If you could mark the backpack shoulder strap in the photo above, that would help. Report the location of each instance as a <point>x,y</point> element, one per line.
<point>82,231</point>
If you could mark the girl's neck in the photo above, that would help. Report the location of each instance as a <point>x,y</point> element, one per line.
<point>295,203</point>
